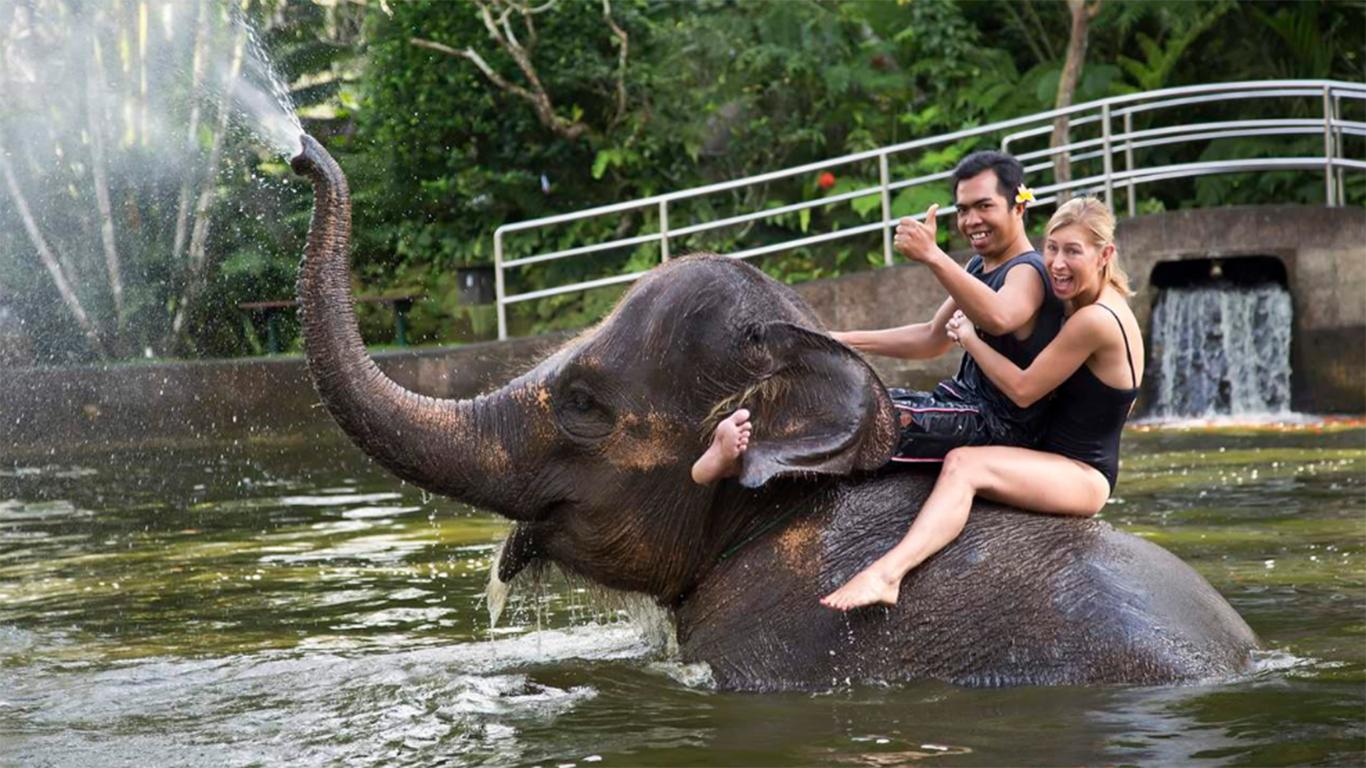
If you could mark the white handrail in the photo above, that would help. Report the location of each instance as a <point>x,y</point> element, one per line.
<point>1104,147</point>
<point>1044,194</point>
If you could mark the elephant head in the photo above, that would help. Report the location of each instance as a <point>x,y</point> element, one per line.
<point>590,450</point>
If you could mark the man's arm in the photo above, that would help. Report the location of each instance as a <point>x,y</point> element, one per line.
<point>996,313</point>
<point>917,341</point>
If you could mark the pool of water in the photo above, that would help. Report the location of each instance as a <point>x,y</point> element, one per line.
<point>288,603</point>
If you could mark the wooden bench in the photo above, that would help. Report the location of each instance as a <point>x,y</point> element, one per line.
<point>272,310</point>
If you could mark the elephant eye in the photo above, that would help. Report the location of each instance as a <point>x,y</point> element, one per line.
<point>583,416</point>
<point>580,401</point>
<point>753,335</point>
<point>753,352</point>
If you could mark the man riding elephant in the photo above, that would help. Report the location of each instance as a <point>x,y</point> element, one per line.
<point>1003,289</point>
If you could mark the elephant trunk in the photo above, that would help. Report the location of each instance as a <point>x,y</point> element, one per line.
<point>448,447</point>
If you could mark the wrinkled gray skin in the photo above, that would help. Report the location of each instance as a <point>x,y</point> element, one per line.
<point>589,453</point>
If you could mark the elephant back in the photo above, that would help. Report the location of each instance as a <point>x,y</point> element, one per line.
<point>1017,599</point>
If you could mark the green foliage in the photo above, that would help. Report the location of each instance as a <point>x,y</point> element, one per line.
<point>1161,55</point>
<point>1249,188</point>
<point>718,90</point>
<point>261,211</point>
<point>1306,32</point>
<point>438,156</point>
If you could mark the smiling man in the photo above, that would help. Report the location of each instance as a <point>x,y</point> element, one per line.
<point>1003,289</point>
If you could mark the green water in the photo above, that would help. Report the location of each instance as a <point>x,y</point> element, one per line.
<point>290,604</point>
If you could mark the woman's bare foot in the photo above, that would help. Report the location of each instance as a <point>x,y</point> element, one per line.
<point>722,458</point>
<point>870,585</point>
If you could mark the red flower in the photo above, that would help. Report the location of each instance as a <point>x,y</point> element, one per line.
<point>826,180</point>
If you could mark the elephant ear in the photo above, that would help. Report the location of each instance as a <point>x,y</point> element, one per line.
<point>820,411</point>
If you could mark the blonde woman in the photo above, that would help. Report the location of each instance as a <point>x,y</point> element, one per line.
<point>1095,363</point>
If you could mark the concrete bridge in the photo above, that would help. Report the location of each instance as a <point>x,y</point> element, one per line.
<point>1321,250</point>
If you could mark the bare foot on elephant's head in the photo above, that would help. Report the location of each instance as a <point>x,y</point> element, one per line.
<point>722,458</point>
<point>868,586</point>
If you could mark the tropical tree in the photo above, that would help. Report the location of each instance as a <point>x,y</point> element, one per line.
<point>139,210</point>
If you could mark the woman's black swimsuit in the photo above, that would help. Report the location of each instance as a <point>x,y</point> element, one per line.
<point>1088,416</point>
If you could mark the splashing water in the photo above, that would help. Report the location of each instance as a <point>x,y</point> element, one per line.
<point>121,121</point>
<point>157,69</point>
<point>270,110</point>
<point>289,604</point>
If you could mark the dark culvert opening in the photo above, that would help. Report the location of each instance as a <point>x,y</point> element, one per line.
<point>1240,271</point>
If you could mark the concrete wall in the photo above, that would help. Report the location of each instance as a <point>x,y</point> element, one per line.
<point>1323,249</point>
<point>1324,253</point>
<point>221,399</point>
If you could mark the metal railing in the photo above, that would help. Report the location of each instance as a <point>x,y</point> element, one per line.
<point>1018,134</point>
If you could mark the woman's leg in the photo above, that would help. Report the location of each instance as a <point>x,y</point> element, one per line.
<point>1033,480</point>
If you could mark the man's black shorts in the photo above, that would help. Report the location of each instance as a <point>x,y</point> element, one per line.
<point>934,423</point>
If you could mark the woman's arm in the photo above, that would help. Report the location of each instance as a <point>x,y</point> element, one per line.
<point>1080,337</point>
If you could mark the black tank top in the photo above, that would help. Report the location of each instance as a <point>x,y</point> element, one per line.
<point>1089,415</point>
<point>1027,423</point>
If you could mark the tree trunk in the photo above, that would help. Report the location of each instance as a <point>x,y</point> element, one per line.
<point>49,259</point>
<point>182,220</point>
<point>197,263</point>
<point>95,120</point>
<point>1082,13</point>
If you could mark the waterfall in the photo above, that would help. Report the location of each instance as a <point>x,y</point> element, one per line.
<point>1221,350</point>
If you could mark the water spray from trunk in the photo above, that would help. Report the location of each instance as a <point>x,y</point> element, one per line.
<point>120,119</point>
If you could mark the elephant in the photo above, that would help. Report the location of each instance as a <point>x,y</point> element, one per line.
<point>589,454</point>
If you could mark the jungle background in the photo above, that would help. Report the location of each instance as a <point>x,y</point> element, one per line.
<point>452,118</point>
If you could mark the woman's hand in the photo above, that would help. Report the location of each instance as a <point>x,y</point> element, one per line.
<point>960,327</point>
